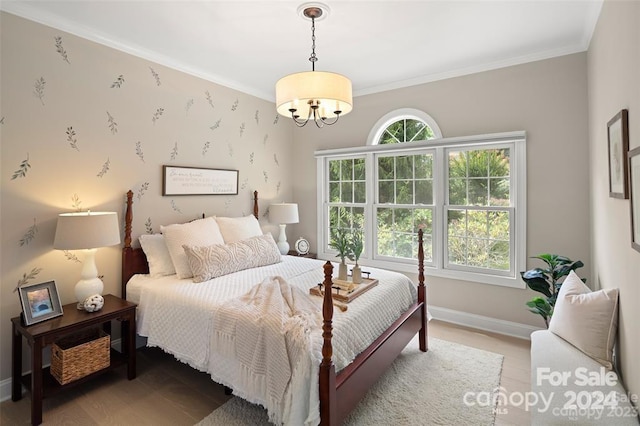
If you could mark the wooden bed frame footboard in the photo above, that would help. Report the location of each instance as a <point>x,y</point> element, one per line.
<point>339,393</point>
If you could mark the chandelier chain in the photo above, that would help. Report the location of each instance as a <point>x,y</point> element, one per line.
<point>313,58</point>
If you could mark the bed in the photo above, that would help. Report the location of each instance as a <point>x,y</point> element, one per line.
<point>344,373</point>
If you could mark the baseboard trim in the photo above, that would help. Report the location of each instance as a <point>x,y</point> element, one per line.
<point>5,389</point>
<point>508,328</point>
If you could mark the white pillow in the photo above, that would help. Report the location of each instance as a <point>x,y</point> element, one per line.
<point>157,253</point>
<point>202,232</point>
<point>238,228</point>
<point>214,261</point>
<point>588,320</point>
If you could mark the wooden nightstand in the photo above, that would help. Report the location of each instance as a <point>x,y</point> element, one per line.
<point>40,382</point>
<point>308,255</point>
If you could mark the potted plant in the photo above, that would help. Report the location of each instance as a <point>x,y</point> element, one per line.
<point>548,282</point>
<point>340,242</point>
<point>356,250</point>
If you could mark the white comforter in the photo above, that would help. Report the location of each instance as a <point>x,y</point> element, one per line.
<point>179,316</point>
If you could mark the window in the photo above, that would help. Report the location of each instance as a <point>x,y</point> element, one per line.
<point>347,195</point>
<point>478,210</point>
<point>467,194</point>
<point>404,203</point>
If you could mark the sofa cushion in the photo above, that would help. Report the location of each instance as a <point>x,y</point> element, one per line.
<point>586,319</point>
<point>572,388</point>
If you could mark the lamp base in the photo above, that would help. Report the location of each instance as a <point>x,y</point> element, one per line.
<point>283,245</point>
<point>87,287</point>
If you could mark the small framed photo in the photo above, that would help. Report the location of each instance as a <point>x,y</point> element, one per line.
<point>40,302</point>
<point>634,180</point>
<point>618,138</point>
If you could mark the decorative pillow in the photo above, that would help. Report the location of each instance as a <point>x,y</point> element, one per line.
<point>201,232</point>
<point>238,228</point>
<point>586,319</point>
<point>214,261</point>
<point>158,256</point>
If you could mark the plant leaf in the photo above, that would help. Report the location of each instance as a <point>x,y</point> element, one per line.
<point>540,285</point>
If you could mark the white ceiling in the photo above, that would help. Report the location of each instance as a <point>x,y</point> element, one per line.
<point>379,45</point>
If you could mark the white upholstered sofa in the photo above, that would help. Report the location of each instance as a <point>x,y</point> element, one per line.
<point>571,363</point>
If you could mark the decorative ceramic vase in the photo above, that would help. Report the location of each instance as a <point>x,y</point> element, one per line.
<point>342,271</point>
<point>357,274</point>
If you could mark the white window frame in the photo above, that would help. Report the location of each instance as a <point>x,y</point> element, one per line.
<point>516,142</point>
<point>402,114</point>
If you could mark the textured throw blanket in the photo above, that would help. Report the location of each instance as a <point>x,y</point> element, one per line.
<point>269,333</point>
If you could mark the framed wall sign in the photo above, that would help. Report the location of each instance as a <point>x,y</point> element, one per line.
<point>198,181</point>
<point>40,302</point>
<point>634,183</point>
<point>618,138</point>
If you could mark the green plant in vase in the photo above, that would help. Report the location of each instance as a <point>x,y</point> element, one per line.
<point>357,246</point>
<point>340,242</point>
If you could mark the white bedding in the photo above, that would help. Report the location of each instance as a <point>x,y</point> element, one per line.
<point>177,316</point>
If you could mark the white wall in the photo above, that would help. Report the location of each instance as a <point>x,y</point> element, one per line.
<point>614,84</point>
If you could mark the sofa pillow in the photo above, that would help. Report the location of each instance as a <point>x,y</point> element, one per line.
<point>238,228</point>
<point>158,257</point>
<point>201,232</point>
<point>586,319</point>
<point>213,261</point>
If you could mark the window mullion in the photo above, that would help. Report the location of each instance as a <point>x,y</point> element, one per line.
<point>371,172</point>
<point>440,199</point>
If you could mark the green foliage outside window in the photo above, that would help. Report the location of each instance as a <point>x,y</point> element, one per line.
<point>479,237</point>
<point>406,130</point>
<point>347,181</point>
<point>479,178</point>
<point>398,232</point>
<point>406,179</point>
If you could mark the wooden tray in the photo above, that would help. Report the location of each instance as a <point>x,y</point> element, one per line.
<point>348,296</point>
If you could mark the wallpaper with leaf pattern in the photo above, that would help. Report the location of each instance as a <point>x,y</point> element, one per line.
<point>82,123</point>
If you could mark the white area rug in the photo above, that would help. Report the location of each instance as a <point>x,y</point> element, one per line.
<point>418,389</point>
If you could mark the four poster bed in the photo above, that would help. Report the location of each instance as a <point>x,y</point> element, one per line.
<point>339,389</point>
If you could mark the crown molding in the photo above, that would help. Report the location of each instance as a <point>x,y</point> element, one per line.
<point>26,11</point>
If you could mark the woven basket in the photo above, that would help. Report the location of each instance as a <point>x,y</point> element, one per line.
<point>79,355</point>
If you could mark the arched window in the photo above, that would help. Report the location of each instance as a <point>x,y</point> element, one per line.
<point>404,125</point>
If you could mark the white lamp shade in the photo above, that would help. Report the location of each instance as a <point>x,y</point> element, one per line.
<point>333,91</point>
<point>86,230</point>
<point>283,213</point>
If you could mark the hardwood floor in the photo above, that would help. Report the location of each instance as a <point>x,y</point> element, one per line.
<point>167,392</point>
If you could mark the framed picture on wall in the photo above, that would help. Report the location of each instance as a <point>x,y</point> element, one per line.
<point>40,302</point>
<point>198,181</point>
<point>634,183</point>
<point>618,139</point>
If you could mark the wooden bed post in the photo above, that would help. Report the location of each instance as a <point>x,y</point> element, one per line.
<point>327,379</point>
<point>422,295</point>
<point>127,249</point>
<point>255,204</point>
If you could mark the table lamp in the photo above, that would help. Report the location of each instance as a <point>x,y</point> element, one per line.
<point>87,231</point>
<point>282,214</point>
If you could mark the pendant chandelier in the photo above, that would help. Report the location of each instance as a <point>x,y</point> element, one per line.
<point>314,95</point>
